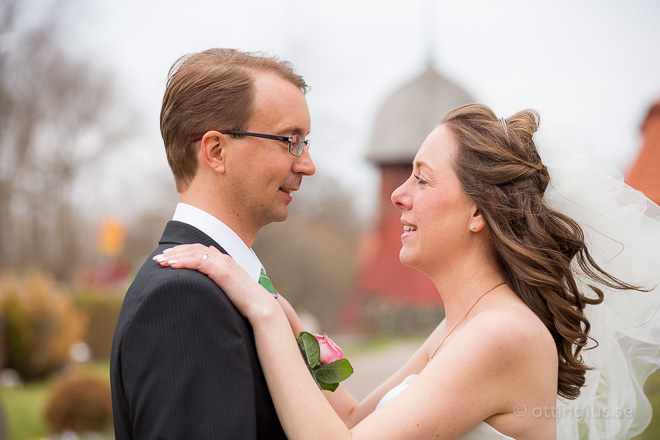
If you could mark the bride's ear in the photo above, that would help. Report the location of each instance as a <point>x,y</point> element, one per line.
<point>477,222</point>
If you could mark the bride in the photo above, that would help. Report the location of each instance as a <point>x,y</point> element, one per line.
<point>520,254</point>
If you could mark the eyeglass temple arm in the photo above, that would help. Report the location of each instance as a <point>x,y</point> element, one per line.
<point>260,135</point>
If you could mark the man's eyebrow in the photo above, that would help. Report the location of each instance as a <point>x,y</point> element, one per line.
<point>293,130</point>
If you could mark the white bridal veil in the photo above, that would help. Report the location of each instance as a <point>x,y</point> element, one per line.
<point>622,230</point>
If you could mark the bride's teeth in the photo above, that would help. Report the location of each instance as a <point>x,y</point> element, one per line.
<point>407,228</point>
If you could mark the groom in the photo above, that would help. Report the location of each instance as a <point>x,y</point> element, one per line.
<point>184,363</point>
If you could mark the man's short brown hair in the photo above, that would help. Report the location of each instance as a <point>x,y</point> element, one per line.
<point>211,90</point>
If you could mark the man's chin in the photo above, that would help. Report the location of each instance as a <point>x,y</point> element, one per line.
<point>280,216</point>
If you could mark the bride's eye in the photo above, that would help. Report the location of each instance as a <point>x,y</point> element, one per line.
<point>420,181</point>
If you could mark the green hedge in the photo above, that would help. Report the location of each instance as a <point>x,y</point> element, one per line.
<point>102,311</point>
<point>40,324</point>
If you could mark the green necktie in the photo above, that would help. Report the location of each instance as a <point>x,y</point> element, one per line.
<point>267,284</point>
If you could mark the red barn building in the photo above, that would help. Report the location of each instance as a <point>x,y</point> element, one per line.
<point>645,172</point>
<point>388,292</point>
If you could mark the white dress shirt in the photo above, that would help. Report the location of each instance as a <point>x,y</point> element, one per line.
<point>223,235</point>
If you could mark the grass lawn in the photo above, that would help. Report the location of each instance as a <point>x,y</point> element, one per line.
<point>23,406</point>
<point>23,409</point>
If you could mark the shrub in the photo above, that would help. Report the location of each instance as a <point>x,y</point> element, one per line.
<point>41,324</point>
<point>79,404</point>
<point>102,311</point>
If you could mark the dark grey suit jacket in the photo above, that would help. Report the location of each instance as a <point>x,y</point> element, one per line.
<point>184,363</point>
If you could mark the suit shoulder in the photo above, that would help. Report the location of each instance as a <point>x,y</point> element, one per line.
<point>159,293</point>
<point>154,279</point>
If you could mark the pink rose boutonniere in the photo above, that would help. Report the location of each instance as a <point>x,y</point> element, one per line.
<point>330,351</point>
<point>326,360</point>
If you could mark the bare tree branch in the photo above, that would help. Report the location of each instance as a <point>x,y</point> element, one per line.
<point>57,116</point>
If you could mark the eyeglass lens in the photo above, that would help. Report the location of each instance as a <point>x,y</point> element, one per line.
<point>297,145</point>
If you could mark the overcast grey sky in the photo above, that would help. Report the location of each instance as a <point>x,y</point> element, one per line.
<point>594,64</point>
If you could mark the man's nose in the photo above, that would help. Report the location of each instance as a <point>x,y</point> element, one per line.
<point>304,164</point>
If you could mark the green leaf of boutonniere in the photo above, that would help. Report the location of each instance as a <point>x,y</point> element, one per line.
<point>334,372</point>
<point>327,386</point>
<point>310,347</point>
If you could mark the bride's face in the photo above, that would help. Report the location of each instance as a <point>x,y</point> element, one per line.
<point>436,214</point>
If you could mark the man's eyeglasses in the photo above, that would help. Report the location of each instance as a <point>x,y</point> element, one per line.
<point>295,142</point>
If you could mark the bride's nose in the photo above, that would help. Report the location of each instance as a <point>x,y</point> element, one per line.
<point>400,197</point>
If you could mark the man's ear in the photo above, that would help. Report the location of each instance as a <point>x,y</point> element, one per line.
<point>477,222</point>
<point>213,151</point>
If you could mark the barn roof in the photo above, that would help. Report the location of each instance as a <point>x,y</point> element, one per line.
<point>410,113</point>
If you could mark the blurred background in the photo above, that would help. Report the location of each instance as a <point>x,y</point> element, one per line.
<point>85,189</point>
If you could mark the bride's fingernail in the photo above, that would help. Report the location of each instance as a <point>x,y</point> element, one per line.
<point>160,258</point>
<point>170,262</point>
<point>167,250</point>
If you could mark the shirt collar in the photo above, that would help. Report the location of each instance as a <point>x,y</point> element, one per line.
<point>221,234</point>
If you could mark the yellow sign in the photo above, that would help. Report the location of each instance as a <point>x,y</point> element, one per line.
<point>111,237</point>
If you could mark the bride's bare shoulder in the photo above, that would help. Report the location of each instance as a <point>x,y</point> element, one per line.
<point>512,317</point>
<point>514,330</point>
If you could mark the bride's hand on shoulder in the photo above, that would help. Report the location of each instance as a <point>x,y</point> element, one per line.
<point>248,296</point>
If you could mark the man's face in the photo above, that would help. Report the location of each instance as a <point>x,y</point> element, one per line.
<point>263,173</point>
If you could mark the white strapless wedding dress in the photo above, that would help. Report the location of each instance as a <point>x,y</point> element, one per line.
<point>483,431</point>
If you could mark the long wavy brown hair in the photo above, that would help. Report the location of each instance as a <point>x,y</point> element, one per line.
<point>500,170</point>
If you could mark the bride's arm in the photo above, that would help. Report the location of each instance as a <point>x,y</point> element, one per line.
<point>290,383</point>
<point>413,365</point>
<point>343,403</point>
<point>291,316</point>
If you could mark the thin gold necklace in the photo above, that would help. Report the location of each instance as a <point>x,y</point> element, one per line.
<point>463,319</point>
